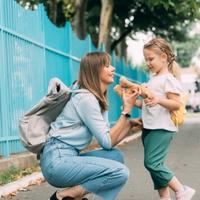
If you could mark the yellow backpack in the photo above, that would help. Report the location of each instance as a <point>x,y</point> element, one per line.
<point>178,116</point>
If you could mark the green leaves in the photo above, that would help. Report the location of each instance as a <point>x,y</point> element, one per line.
<point>29,4</point>
<point>69,9</point>
<point>169,18</point>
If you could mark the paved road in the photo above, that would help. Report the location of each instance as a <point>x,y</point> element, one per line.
<point>184,160</point>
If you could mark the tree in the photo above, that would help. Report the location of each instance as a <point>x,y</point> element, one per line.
<point>78,22</point>
<point>105,23</point>
<point>58,11</point>
<point>109,22</point>
<point>186,50</point>
<point>168,19</point>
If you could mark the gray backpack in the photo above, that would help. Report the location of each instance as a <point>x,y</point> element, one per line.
<point>35,124</point>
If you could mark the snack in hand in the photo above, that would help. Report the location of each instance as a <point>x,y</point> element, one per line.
<point>118,90</point>
<point>132,87</point>
<point>124,83</point>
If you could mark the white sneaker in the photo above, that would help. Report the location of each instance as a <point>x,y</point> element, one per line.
<point>186,194</point>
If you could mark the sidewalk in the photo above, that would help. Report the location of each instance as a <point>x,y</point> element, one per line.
<point>192,118</point>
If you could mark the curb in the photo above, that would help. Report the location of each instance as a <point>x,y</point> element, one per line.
<point>130,138</point>
<point>21,183</point>
<point>36,176</point>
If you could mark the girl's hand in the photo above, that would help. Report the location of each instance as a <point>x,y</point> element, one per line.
<point>151,101</point>
<point>129,99</point>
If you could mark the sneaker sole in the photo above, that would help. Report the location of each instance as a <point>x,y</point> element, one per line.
<point>193,193</point>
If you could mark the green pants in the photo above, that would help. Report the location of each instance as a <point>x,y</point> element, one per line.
<point>156,144</point>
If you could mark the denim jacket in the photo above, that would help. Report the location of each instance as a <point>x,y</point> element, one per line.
<point>80,121</point>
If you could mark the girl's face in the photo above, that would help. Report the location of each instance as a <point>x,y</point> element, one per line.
<point>156,62</point>
<point>107,74</point>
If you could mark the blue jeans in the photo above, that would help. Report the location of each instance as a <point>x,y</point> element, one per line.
<point>100,172</point>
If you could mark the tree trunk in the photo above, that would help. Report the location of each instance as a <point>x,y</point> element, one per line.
<point>53,11</point>
<point>79,23</point>
<point>121,49</point>
<point>105,24</point>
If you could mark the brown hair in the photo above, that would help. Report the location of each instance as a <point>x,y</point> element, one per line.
<point>89,75</point>
<point>162,46</point>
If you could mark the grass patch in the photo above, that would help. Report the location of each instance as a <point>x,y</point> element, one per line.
<point>13,174</point>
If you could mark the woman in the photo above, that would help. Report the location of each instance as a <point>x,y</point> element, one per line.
<point>101,172</point>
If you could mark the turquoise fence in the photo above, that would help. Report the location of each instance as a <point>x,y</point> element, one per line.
<point>32,51</point>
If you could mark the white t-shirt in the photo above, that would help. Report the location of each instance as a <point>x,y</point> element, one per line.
<point>158,117</point>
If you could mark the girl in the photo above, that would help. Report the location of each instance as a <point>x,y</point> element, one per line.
<point>158,128</point>
<point>85,116</point>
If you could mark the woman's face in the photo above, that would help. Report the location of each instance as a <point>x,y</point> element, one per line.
<point>155,62</point>
<point>107,74</point>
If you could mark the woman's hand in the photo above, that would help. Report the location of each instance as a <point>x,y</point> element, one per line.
<point>136,124</point>
<point>129,99</point>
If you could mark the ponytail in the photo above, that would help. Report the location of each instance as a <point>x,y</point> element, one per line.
<point>175,70</point>
<point>174,67</point>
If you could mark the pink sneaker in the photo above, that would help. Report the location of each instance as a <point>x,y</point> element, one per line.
<point>186,194</point>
